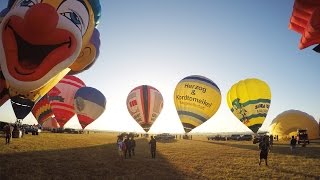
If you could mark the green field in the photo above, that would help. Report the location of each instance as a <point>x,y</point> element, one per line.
<point>94,156</point>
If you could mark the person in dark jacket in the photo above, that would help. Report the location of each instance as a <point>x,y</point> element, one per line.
<point>264,149</point>
<point>8,132</point>
<point>293,143</point>
<point>128,147</point>
<point>153,147</point>
<point>133,145</point>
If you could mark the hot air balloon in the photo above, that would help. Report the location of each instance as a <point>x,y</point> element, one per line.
<point>249,100</point>
<point>288,122</point>
<point>305,20</point>
<point>197,99</point>
<point>42,110</point>
<point>45,41</point>
<point>4,95</point>
<point>89,104</point>
<point>21,106</point>
<point>51,123</point>
<point>144,104</point>
<point>61,98</point>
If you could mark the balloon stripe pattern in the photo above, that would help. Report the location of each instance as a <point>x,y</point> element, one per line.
<point>89,104</point>
<point>61,98</point>
<point>249,100</point>
<point>51,123</point>
<point>144,104</point>
<point>42,110</point>
<point>197,99</point>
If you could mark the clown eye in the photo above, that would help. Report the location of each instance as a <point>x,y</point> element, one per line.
<point>28,3</point>
<point>73,17</point>
<point>76,12</point>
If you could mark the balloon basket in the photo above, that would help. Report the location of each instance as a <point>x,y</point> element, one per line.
<point>16,134</point>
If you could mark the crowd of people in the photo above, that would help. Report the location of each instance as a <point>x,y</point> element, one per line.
<point>126,146</point>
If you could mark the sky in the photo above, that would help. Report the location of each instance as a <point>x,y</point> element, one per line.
<point>158,43</point>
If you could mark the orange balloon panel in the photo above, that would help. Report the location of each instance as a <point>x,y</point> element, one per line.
<point>305,20</point>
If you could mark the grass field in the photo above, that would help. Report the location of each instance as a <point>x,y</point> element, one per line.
<point>94,156</point>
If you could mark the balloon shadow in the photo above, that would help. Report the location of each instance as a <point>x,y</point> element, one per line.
<point>311,151</point>
<point>94,162</point>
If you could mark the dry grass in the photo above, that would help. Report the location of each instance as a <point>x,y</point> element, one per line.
<point>94,156</point>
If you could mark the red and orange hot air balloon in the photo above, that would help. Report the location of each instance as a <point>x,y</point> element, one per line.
<point>305,19</point>
<point>61,98</point>
<point>42,110</point>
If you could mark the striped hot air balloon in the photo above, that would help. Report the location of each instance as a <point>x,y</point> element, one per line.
<point>89,104</point>
<point>144,104</point>
<point>42,110</point>
<point>61,98</point>
<point>197,99</point>
<point>249,100</point>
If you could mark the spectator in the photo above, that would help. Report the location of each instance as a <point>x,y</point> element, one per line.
<point>133,145</point>
<point>264,149</point>
<point>153,147</point>
<point>271,141</point>
<point>8,132</point>
<point>293,143</point>
<point>121,147</point>
<point>128,147</point>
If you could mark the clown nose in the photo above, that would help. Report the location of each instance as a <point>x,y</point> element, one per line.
<point>41,19</point>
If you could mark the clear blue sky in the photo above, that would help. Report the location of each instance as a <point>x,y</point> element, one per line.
<point>160,42</point>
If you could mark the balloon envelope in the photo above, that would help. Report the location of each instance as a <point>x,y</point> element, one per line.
<point>42,110</point>
<point>51,123</point>
<point>21,106</point>
<point>144,104</point>
<point>249,100</point>
<point>287,123</point>
<point>197,99</point>
<point>305,20</point>
<point>89,104</point>
<point>61,98</point>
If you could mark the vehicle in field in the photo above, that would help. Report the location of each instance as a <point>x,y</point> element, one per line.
<point>217,138</point>
<point>164,136</point>
<point>302,136</point>
<point>33,129</point>
<point>73,131</point>
<point>235,137</point>
<point>246,137</point>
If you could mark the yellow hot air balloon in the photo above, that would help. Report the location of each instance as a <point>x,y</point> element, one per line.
<point>287,123</point>
<point>249,100</point>
<point>197,99</point>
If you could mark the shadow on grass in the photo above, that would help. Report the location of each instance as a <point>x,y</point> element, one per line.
<point>95,162</point>
<point>307,152</point>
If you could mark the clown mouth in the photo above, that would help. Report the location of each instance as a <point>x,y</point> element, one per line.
<point>31,56</point>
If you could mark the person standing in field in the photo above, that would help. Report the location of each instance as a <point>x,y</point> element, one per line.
<point>264,149</point>
<point>132,144</point>
<point>121,147</point>
<point>293,143</point>
<point>128,147</point>
<point>271,141</point>
<point>8,132</point>
<point>153,147</point>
